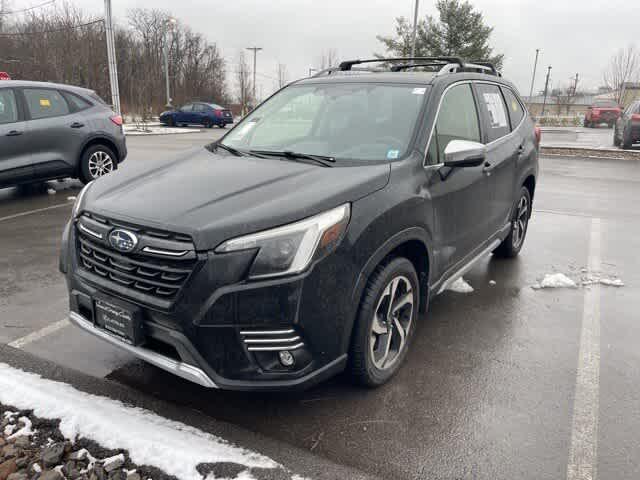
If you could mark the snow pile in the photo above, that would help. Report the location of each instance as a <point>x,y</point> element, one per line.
<point>560,280</point>
<point>460,286</point>
<point>24,431</point>
<point>150,439</point>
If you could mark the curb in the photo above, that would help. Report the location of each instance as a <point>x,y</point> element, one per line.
<point>293,458</point>
<point>608,154</point>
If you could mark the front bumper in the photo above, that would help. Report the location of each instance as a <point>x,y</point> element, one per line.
<point>223,332</point>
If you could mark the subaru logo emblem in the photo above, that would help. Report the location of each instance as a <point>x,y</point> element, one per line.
<point>123,240</point>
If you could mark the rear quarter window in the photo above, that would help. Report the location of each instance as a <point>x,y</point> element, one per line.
<point>76,102</point>
<point>516,112</point>
<point>494,111</point>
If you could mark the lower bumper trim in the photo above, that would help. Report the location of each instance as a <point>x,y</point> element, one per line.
<point>181,369</point>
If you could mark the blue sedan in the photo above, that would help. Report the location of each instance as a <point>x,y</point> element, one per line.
<point>197,113</point>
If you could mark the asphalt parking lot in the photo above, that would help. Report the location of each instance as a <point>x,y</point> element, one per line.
<point>600,137</point>
<point>502,383</point>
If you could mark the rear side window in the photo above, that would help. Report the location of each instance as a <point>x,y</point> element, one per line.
<point>44,103</point>
<point>76,102</point>
<point>187,108</point>
<point>494,111</point>
<point>457,120</point>
<point>8,106</point>
<point>97,98</point>
<point>198,107</point>
<point>516,112</point>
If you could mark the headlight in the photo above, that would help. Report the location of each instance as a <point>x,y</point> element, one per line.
<point>291,249</point>
<point>78,204</point>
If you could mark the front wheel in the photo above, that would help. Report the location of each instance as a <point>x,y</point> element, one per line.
<point>223,125</point>
<point>386,322</point>
<point>511,246</point>
<point>627,142</point>
<point>96,161</point>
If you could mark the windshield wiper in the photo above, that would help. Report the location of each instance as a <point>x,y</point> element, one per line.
<point>320,159</point>
<point>236,152</point>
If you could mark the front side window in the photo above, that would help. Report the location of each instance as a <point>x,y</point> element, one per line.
<point>516,112</point>
<point>187,108</point>
<point>8,106</point>
<point>44,103</point>
<point>457,120</point>
<point>494,111</point>
<point>349,121</point>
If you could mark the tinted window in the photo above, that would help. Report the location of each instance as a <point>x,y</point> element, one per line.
<point>45,103</point>
<point>199,108</point>
<point>97,98</point>
<point>457,119</point>
<point>215,106</point>
<point>8,106</point>
<point>76,102</point>
<point>187,108</point>
<point>516,112</point>
<point>494,111</point>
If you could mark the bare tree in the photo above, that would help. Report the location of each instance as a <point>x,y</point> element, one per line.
<point>243,81</point>
<point>624,67</point>
<point>281,71</point>
<point>328,58</point>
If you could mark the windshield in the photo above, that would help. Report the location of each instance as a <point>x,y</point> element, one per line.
<point>345,121</point>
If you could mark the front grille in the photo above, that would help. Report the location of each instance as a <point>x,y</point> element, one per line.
<point>143,272</point>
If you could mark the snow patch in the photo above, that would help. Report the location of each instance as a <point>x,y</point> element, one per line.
<point>51,191</point>
<point>492,282</point>
<point>24,431</point>
<point>150,439</point>
<point>612,282</point>
<point>460,286</point>
<point>556,280</point>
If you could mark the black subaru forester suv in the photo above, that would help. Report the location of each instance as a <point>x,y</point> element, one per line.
<point>307,240</point>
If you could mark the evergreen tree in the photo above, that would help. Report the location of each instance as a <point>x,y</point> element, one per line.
<point>459,30</point>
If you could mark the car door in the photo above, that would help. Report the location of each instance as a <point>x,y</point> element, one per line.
<point>503,150</point>
<point>56,132</point>
<point>199,113</point>
<point>15,151</point>
<point>459,195</point>
<point>183,115</point>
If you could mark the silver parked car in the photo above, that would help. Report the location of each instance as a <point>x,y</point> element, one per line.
<point>50,131</point>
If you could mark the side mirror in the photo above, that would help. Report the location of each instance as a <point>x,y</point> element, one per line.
<point>464,153</point>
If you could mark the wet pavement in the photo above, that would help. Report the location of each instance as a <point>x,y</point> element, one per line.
<point>600,137</point>
<point>490,386</point>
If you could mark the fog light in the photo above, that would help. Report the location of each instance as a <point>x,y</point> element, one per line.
<point>286,358</point>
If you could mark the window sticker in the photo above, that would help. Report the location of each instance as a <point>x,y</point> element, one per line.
<point>514,105</point>
<point>45,102</point>
<point>419,91</point>
<point>495,107</point>
<point>393,154</point>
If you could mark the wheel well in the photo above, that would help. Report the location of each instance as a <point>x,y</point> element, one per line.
<point>102,141</point>
<point>530,184</point>
<point>416,252</point>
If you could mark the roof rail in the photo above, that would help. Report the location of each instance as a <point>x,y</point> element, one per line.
<point>346,65</point>
<point>489,65</point>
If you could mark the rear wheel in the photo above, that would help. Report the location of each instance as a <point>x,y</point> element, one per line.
<point>171,122</point>
<point>386,322</point>
<point>511,246</point>
<point>626,139</point>
<point>223,125</point>
<point>97,161</point>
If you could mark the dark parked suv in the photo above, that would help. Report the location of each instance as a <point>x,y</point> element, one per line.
<point>308,239</point>
<point>627,128</point>
<point>50,131</point>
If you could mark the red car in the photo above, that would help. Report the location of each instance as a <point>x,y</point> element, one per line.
<point>602,111</point>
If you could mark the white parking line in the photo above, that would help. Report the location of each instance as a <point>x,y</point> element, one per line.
<point>37,335</point>
<point>38,210</point>
<point>583,452</point>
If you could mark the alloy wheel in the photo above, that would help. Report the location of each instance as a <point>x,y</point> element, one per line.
<point>521,221</point>
<point>391,323</point>
<point>100,163</point>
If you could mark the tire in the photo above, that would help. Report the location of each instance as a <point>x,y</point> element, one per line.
<point>223,125</point>
<point>171,122</point>
<point>96,161</point>
<point>511,246</point>
<point>372,337</point>
<point>207,123</point>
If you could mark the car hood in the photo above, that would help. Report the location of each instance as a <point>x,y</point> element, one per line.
<point>215,197</point>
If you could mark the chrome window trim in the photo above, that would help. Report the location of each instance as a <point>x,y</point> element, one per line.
<point>488,145</point>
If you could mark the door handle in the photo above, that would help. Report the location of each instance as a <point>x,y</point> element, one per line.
<point>521,149</point>
<point>487,168</point>
<point>14,133</point>
<point>77,125</point>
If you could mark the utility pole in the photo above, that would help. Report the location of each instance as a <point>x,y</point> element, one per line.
<point>546,88</point>
<point>111,56</point>
<point>165,53</point>
<point>533,78</point>
<point>415,29</point>
<point>3,8</point>
<point>255,54</point>
<point>575,85</point>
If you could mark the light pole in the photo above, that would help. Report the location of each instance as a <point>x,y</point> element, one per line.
<point>169,23</point>
<point>415,29</point>
<point>255,54</point>
<point>533,78</point>
<point>546,88</point>
<point>111,57</point>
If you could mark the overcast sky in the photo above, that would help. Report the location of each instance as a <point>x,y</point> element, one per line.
<point>574,36</point>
